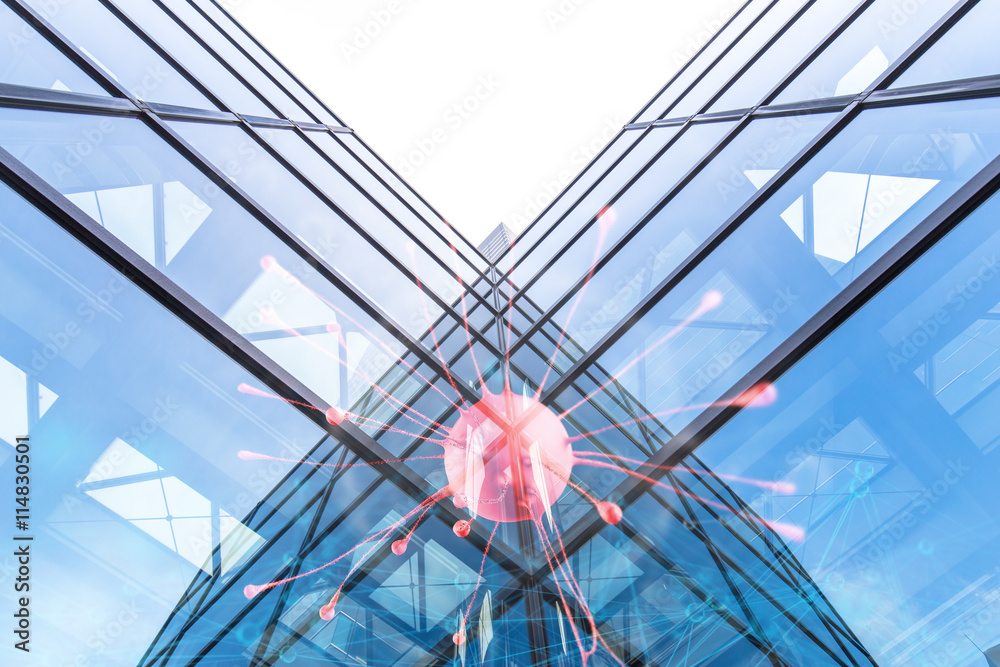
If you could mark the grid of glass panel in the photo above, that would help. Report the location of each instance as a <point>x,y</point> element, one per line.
<point>190,236</point>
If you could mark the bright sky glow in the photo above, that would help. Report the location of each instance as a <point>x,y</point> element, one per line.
<point>487,109</point>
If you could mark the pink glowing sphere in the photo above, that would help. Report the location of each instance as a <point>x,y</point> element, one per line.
<point>503,441</point>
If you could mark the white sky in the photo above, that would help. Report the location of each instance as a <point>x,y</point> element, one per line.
<point>563,75</point>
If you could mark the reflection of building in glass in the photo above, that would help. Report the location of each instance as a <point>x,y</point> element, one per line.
<point>188,233</point>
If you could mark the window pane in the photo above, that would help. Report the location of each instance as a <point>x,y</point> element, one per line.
<point>138,187</point>
<point>880,177</point>
<point>135,424</point>
<point>117,50</point>
<point>964,52</point>
<point>791,47</point>
<point>583,210</point>
<point>633,205</point>
<point>313,221</point>
<point>594,171</point>
<point>888,432</point>
<point>749,44</point>
<point>193,57</point>
<point>726,183</point>
<point>865,50</point>
<point>28,59</point>
<point>724,39</point>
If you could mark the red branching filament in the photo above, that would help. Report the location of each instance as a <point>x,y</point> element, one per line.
<point>508,457</point>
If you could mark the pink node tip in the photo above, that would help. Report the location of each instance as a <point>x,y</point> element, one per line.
<point>610,512</point>
<point>786,488</point>
<point>607,217</point>
<point>411,248</point>
<point>462,528</point>
<point>333,328</point>
<point>459,501</point>
<point>336,416</point>
<point>458,638</point>
<point>268,262</point>
<point>251,590</point>
<point>244,388</point>
<point>711,300</point>
<point>787,530</point>
<point>326,612</point>
<point>759,396</point>
<point>399,547</point>
<point>249,456</point>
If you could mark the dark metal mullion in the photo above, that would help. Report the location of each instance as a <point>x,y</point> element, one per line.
<point>694,59</point>
<point>69,49</point>
<point>225,35</point>
<point>721,56</point>
<point>508,275</point>
<point>772,654</point>
<point>157,48</point>
<point>724,561</point>
<point>371,198</point>
<point>211,54</point>
<point>198,584</point>
<point>455,231</point>
<point>407,272</point>
<point>608,255</point>
<point>279,606</point>
<point>764,48</point>
<point>392,192</point>
<point>704,250</point>
<point>797,574</point>
<point>272,57</point>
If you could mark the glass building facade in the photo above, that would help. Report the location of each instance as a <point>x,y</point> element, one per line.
<point>767,317</point>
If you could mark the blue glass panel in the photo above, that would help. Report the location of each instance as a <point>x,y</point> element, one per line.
<point>866,49</point>
<point>964,52</point>
<point>726,183</point>
<point>628,210</point>
<point>28,59</point>
<point>100,35</point>
<point>887,431</point>
<point>879,178</point>
<point>135,423</point>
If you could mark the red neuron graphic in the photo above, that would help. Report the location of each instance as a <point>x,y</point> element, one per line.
<point>508,456</point>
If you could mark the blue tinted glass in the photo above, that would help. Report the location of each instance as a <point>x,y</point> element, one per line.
<point>888,433</point>
<point>91,27</point>
<point>625,212</point>
<point>878,179</point>
<point>28,59</point>
<point>135,423</point>
<point>866,49</point>
<point>793,45</point>
<point>964,52</point>
<point>727,181</point>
